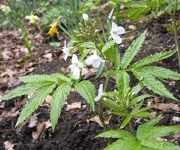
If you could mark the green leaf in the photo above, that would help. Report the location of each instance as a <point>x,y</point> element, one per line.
<point>38,78</point>
<point>122,81</point>
<point>153,84</point>
<point>124,144</point>
<point>160,131</point>
<point>108,46</point>
<point>116,134</point>
<point>23,90</point>
<point>110,73</point>
<point>159,145</point>
<point>88,45</point>
<point>58,100</point>
<point>153,58</point>
<point>100,69</point>
<point>116,58</point>
<point>33,103</point>
<point>159,72</point>
<point>126,121</point>
<point>139,99</point>
<point>115,108</point>
<point>132,50</point>
<point>136,89</point>
<point>87,90</point>
<point>60,77</point>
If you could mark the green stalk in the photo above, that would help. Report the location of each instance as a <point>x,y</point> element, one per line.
<point>131,128</point>
<point>100,107</point>
<point>176,38</point>
<point>176,34</point>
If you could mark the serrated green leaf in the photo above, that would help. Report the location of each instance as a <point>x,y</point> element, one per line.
<point>23,90</point>
<point>61,78</point>
<point>139,99</point>
<point>116,58</point>
<point>159,72</point>
<point>132,50</point>
<point>87,90</point>
<point>108,46</point>
<point>58,100</point>
<point>136,89</point>
<point>38,78</point>
<point>159,145</point>
<point>116,134</point>
<point>122,82</point>
<point>88,45</point>
<point>34,103</point>
<point>159,131</point>
<point>153,58</point>
<point>124,144</point>
<point>115,108</point>
<point>153,84</point>
<point>100,69</point>
<point>126,121</point>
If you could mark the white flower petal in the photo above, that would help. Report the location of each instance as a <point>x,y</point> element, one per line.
<point>100,93</point>
<point>117,39</point>
<point>75,71</point>
<point>28,17</point>
<point>85,17</point>
<point>74,59</point>
<point>65,51</point>
<point>114,26</point>
<point>93,60</point>
<point>120,30</point>
<point>89,60</point>
<point>36,17</point>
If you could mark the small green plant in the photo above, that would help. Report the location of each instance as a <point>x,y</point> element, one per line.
<point>40,86</point>
<point>125,103</point>
<point>147,137</point>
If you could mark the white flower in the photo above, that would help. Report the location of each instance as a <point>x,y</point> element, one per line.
<point>85,17</point>
<point>116,31</point>
<point>93,60</point>
<point>65,51</point>
<point>100,93</point>
<point>32,19</point>
<point>5,8</point>
<point>75,67</point>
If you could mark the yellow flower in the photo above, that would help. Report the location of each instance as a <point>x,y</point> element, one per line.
<point>53,30</point>
<point>5,8</point>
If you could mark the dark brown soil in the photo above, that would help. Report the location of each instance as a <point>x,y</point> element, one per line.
<point>73,132</point>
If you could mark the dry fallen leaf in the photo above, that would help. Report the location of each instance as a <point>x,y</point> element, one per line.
<point>73,106</point>
<point>41,129</point>
<point>97,120</point>
<point>9,145</point>
<point>87,73</point>
<point>166,106</point>
<point>33,120</point>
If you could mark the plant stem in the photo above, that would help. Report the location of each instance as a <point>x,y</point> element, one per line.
<point>131,128</point>
<point>100,107</point>
<point>100,113</point>
<point>176,34</point>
